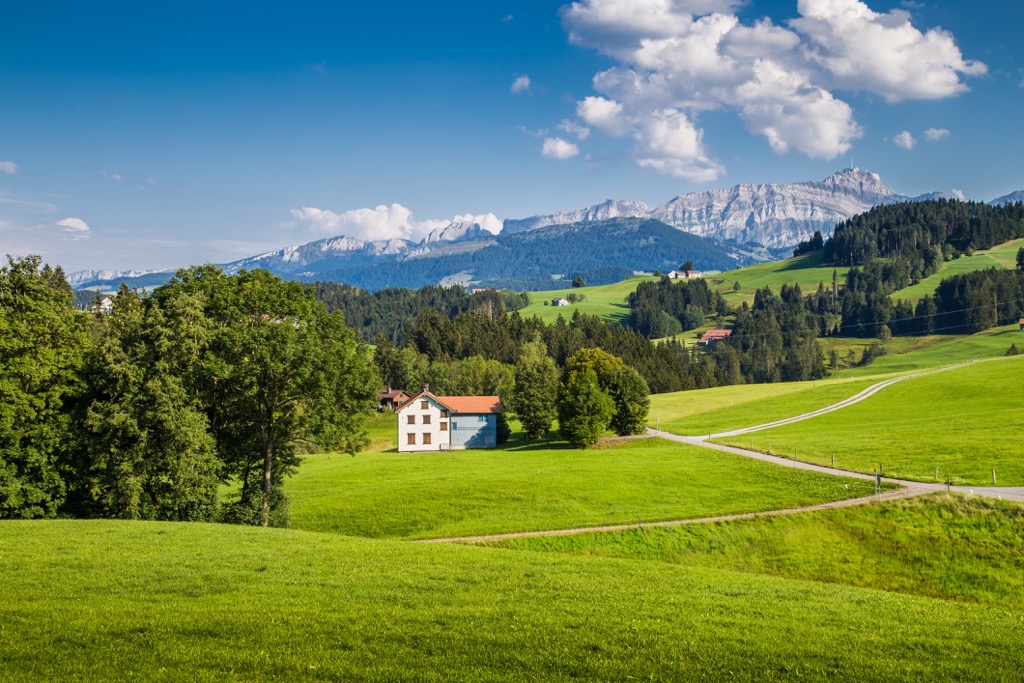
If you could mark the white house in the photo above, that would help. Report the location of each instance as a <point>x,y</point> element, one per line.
<point>682,275</point>
<point>440,423</point>
<point>560,302</point>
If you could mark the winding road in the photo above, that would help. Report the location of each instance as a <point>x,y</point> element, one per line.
<point>908,488</point>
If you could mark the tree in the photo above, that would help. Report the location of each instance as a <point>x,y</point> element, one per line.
<point>280,372</point>
<point>686,267</point>
<point>1020,259</point>
<point>42,344</point>
<point>584,411</point>
<point>631,396</point>
<point>536,388</point>
<point>578,281</point>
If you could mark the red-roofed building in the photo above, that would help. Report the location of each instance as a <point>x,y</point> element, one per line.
<point>441,423</point>
<point>392,399</point>
<point>1022,324</point>
<point>711,337</point>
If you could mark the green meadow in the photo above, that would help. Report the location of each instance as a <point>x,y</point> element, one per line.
<point>696,413</point>
<point>606,301</point>
<point>807,270</point>
<point>529,487</point>
<point>141,601</point>
<point>952,547</point>
<point>1003,256</point>
<point>964,423</point>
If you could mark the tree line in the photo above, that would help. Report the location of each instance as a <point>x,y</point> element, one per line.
<point>211,381</point>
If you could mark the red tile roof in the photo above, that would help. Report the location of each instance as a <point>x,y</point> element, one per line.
<point>716,334</point>
<point>464,405</point>
<point>472,404</point>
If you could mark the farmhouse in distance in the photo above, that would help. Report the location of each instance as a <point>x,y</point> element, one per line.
<point>441,423</point>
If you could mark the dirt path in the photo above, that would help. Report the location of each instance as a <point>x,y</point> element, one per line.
<point>849,502</point>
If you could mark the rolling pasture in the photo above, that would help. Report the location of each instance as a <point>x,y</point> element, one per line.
<point>1003,256</point>
<point>528,487</point>
<point>141,601</point>
<point>807,270</point>
<point>941,546</point>
<point>606,301</point>
<point>964,423</point>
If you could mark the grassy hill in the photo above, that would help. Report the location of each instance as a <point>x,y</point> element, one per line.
<point>807,270</point>
<point>942,546</point>
<point>964,423</point>
<point>1003,256</point>
<point>523,487</point>
<point>127,601</point>
<point>607,301</point>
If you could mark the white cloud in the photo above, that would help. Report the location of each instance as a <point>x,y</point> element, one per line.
<point>76,227</point>
<point>936,134</point>
<point>383,222</point>
<point>8,167</point>
<point>959,194</point>
<point>696,57</point>
<point>904,140</point>
<point>520,85</point>
<point>882,53</point>
<point>670,144</point>
<point>604,114</point>
<point>573,128</point>
<point>557,148</point>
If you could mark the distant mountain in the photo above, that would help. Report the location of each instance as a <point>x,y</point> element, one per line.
<point>777,216</point>
<point>602,251</point>
<point>1011,198</point>
<point>599,212</point>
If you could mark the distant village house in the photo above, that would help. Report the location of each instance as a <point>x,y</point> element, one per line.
<point>684,275</point>
<point>559,302</point>
<point>711,337</point>
<point>441,423</point>
<point>1022,324</point>
<point>392,399</point>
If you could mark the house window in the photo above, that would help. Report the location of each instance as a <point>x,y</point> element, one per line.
<point>426,419</point>
<point>444,426</point>
<point>410,439</point>
<point>424,404</point>
<point>444,413</point>
<point>426,439</point>
<point>411,420</point>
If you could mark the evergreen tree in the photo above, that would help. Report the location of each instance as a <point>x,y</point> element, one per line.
<point>584,411</point>
<point>536,389</point>
<point>631,396</point>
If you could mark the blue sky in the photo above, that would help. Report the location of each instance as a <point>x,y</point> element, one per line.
<point>154,135</point>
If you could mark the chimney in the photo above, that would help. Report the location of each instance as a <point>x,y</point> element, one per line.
<point>426,387</point>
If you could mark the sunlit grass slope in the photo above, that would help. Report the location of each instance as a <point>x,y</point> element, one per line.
<point>807,271</point>
<point>526,487</point>
<point>1002,256</point>
<point>964,422</point>
<point>607,301</point>
<point>954,547</point>
<point>180,602</point>
<point>693,413</point>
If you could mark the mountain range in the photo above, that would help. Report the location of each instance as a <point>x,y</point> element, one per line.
<point>716,229</point>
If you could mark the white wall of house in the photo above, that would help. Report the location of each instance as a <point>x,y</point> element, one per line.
<point>423,425</point>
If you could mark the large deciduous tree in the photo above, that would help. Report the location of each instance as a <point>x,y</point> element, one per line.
<point>42,342</point>
<point>584,411</point>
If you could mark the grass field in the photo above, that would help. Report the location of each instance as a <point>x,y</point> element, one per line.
<point>123,601</point>
<point>964,422</point>
<point>523,487</point>
<point>807,271</point>
<point>607,301</point>
<point>1002,256</point>
<point>943,351</point>
<point>952,547</point>
<point>693,413</point>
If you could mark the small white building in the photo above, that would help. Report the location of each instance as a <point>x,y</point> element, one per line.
<point>560,302</point>
<point>441,423</point>
<point>684,275</point>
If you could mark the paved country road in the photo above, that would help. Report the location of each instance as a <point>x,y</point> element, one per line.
<point>1011,493</point>
<point>910,488</point>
